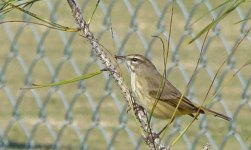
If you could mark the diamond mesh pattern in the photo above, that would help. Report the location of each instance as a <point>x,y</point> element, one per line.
<point>91,114</point>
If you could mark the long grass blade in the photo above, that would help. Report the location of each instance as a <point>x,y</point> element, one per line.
<point>18,7</point>
<point>216,21</point>
<point>82,77</point>
<point>193,75</point>
<point>215,8</point>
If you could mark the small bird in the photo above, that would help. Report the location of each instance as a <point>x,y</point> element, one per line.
<point>146,85</point>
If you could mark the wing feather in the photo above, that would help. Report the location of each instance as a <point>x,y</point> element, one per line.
<point>171,95</point>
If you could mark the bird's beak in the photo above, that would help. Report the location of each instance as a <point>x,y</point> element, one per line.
<point>120,57</point>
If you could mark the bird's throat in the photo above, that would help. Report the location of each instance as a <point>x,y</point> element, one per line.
<point>133,82</point>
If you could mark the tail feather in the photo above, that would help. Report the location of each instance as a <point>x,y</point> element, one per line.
<point>216,114</point>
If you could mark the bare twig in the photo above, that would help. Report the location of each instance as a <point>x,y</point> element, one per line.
<point>153,142</point>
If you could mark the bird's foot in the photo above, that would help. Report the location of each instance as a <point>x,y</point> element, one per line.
<point>128,108</point>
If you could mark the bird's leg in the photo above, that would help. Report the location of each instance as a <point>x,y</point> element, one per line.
<point>166,126</point>
<point>128,108</point>
<point>157,135</point>
<point>136,107</point>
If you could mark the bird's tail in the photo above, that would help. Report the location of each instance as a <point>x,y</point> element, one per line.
<point>216,114</point>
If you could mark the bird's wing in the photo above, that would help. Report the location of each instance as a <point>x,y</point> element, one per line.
<point>172,96</point>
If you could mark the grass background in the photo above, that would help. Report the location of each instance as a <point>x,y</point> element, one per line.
<point>44,113</point>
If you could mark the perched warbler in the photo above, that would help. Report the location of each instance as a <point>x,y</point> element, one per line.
<point>161,99</point>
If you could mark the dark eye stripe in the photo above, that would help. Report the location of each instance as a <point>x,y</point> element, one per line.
<point>134,59</point>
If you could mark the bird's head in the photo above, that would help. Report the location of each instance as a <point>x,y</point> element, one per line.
<point>137,63</point>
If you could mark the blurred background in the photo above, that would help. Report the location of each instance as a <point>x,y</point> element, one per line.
<point>91,114</point>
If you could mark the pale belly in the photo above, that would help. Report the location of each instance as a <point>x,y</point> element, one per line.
<point>162,110</point>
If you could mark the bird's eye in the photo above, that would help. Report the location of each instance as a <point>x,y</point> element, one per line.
<point>134,59</point>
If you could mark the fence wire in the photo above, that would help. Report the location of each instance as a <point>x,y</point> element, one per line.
<point>92,114</point>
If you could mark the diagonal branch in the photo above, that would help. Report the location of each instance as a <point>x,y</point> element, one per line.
<point>152,141</point>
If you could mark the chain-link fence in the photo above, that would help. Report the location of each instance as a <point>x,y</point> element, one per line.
<point>92,114</point>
